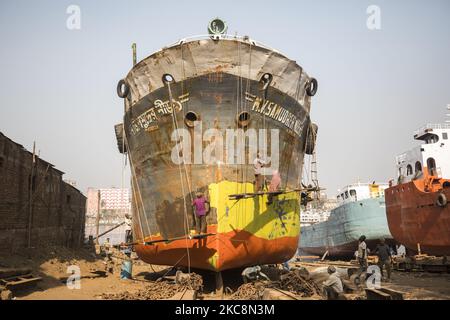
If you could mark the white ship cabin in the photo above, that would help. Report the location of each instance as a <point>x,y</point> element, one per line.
<point>433,155</point>
<point>360,191</point>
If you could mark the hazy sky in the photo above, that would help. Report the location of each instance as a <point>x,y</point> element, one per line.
<point>376,87</point>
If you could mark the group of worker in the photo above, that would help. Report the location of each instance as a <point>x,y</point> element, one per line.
<point>333,288</point>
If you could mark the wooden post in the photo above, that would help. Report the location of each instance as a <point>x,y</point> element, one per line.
<point>30,199</point>
<point>97,222</point>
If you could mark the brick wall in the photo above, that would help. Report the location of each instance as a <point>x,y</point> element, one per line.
<point>57,209</point>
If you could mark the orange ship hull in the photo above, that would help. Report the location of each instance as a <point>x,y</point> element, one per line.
<point>415,218</point>
<point>236,248</point>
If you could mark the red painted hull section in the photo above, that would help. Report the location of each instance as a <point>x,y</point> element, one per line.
<point>415,218</point>
<point>234,249</point>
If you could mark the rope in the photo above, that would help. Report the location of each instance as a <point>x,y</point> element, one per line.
<point>246,103</point>
<point>182,92</point>
<point>175,125</point>
<point>133,173</point>
<point>237,107</point>
<point>297,93</point>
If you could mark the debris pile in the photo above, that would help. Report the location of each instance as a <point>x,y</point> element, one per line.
<point>294,283</point>
<point>291,282</point>
<point>159,290</point>
<point>192,282</point>
<point>249,291</point>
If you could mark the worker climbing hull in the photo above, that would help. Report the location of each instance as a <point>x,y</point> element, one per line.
<point>189,110</point>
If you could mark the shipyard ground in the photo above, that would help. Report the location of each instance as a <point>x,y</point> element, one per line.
<point>51,265</point>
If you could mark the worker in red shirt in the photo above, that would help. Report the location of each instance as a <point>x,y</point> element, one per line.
<point>200,205</point>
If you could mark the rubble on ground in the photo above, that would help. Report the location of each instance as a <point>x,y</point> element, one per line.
<point>292,282</point>
<point>159,290</point>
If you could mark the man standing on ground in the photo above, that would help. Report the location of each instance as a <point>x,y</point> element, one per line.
<point>384,258</point>
<point>128,235</point>
<point>333,286</point>
<point>362,254</point>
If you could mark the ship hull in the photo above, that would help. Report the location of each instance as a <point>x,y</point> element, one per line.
<point>415,218</point>
<point>340,233</point>
<point>238,249</point>
<point>241,232</point>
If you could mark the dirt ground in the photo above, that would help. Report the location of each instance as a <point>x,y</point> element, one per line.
<point>52,265</point>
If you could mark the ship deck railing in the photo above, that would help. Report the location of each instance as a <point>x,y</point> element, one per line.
<point>246,39</point>
<point>436,126</point>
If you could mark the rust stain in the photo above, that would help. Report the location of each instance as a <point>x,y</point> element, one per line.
<point>216,74</point>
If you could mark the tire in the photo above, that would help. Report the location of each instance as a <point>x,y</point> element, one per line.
<point>441,200</point>
<point>123,89</point>
<point>311,87</point>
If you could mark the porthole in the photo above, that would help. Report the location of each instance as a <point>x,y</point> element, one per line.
<point>167,78</point>
<point>243,119</point>
<point>190,118</point>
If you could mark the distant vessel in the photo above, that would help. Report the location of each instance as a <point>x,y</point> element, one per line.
<point>417,209</point>
<point>203,85</point>
<point>360,211</point>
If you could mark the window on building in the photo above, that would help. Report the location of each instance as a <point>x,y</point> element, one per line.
<point>431,164</point>
<point>418,167</point>
<point>68,198</point>
<point>445,135</point>
<point>1,162</point>
<point>346,194</point>
<point>409,170</point>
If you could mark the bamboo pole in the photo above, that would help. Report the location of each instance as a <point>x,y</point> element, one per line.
<point>30,202</point>
<point>97,220</point>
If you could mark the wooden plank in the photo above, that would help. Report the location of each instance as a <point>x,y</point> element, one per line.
<point>21,281</point>
<point>11,272</point>
<point>374,294</point>
<point>395,295</point>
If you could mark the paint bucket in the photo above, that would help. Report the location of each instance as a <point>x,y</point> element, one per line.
<point>127,269</point>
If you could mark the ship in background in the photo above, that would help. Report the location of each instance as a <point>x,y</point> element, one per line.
<point>417,209</point>
<point>224,82</point>
<point>360,211</point>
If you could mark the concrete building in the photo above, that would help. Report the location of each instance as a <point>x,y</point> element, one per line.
<point>114,204</point>
<point>36,206</point>
<point>318,210</point>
